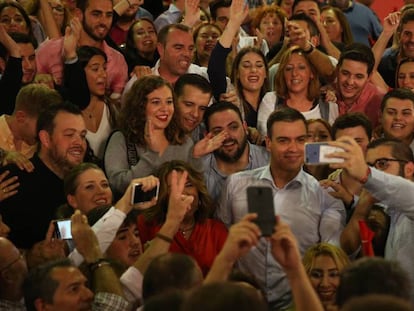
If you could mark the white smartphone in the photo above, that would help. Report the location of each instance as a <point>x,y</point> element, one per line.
<point>63,229</point>
<point>315,153</point>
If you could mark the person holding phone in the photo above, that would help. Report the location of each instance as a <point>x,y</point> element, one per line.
<point>312,213</point>
<point>198,235</point>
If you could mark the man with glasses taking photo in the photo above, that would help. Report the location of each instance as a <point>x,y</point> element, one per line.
<point>386,175</point>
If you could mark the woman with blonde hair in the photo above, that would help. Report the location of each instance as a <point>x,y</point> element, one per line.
<point>323,263</point>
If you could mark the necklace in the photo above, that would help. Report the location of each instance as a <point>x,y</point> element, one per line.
<point>188,230</point>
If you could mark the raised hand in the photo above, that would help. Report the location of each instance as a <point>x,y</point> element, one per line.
<point>178,203</point>
<point>209,143</point>
<point>191,12</point>
<point>71,38</point>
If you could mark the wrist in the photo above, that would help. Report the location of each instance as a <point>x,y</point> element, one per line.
<point>363,179</point>
<point>309,47</point>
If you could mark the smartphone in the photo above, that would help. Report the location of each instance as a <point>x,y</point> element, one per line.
<point>140,196</point>
<point>63,229</point>
<point>315,153</point>
<point>260,201</point>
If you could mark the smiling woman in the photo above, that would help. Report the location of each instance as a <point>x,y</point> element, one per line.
<point>324,262</point>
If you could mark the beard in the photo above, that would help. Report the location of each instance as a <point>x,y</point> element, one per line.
<point>232,158</point>
<point>89,31</point>
<point>62,161</point>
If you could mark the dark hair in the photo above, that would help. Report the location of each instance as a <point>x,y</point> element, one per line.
<point>313,28</point>
<point>219,107</point>
<point>224,296</point>
<point>372,275</point>
<point>85,53</point>
<point>40,284</point>
<point>131,51</point>
<point>400,93</point>
<point>46,120</point>
<point>217,4</point>
<point>171,301</point>
<point>347,37</point>
<point>22,11</point>
<point>360,53</point>
<point>375,302</point>
<point>352,119</point>
<point>235,73</point>
<point>205,208</point>
<point>163,33</point>
<point>71,182</point>
<point>399,150</point>
<point>194,80</point>
<point>132,117</point>
<point>295,3</point>
<point>284,115</point>
<point>168,272</point>
<point>23,38</point>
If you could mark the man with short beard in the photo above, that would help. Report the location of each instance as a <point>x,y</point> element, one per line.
<point>235,154</point>
<point>95,17</point>
<point>61,134</point>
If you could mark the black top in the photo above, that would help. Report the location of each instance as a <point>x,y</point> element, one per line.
<point>29,212</point>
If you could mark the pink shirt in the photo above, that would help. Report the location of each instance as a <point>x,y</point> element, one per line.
<point>368,102</point>
<point>49,59</point>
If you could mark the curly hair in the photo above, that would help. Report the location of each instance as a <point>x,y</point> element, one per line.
<point>159,211</point>
<point>133,117</point>
<point>265,10</point>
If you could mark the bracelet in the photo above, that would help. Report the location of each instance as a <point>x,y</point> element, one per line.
<point>364,179</point>
<point>98,264</point>
<point>310,50</point>
<point>164,237</point>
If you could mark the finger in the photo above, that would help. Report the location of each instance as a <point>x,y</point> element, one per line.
<point>50,231</point>
<point>4,175</point>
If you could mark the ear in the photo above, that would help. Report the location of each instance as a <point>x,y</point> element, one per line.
<point>409,170</point>
<point>268,143</point>
<point>160,49</point>
<point>44,138</point>
<point>72,201</point>
<point>246,128</point>
<point>39,304</point>
<point>20,116</point>
<point>315,40</point>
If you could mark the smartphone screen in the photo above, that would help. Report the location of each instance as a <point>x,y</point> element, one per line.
<point>260,201</point>
<point>140,196</point>
<point>63,229</point>
<point>315,153</point>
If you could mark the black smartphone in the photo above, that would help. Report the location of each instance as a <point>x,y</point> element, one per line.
<point>63,229</point>
<point>140,196</point>
<point>260,201</point>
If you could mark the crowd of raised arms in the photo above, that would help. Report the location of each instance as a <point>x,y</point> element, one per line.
<point>206,155</point>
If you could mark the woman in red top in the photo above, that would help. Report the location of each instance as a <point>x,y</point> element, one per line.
<point>198,235</point>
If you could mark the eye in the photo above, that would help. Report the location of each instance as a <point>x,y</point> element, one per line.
<point>316,274</point>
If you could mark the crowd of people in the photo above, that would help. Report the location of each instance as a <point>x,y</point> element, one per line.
<point>199,102</point>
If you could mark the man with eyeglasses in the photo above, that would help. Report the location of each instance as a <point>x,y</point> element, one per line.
<point>13,270</point>
<point>386,175</point>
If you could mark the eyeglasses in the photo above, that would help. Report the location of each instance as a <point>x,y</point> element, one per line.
<point>12,263</point>
<point>382,163</point>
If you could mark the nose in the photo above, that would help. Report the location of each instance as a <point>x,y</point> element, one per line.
<point>194,112</point>
<point>26,64</point>
<point>325,280</point>
<point>87,294</point>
